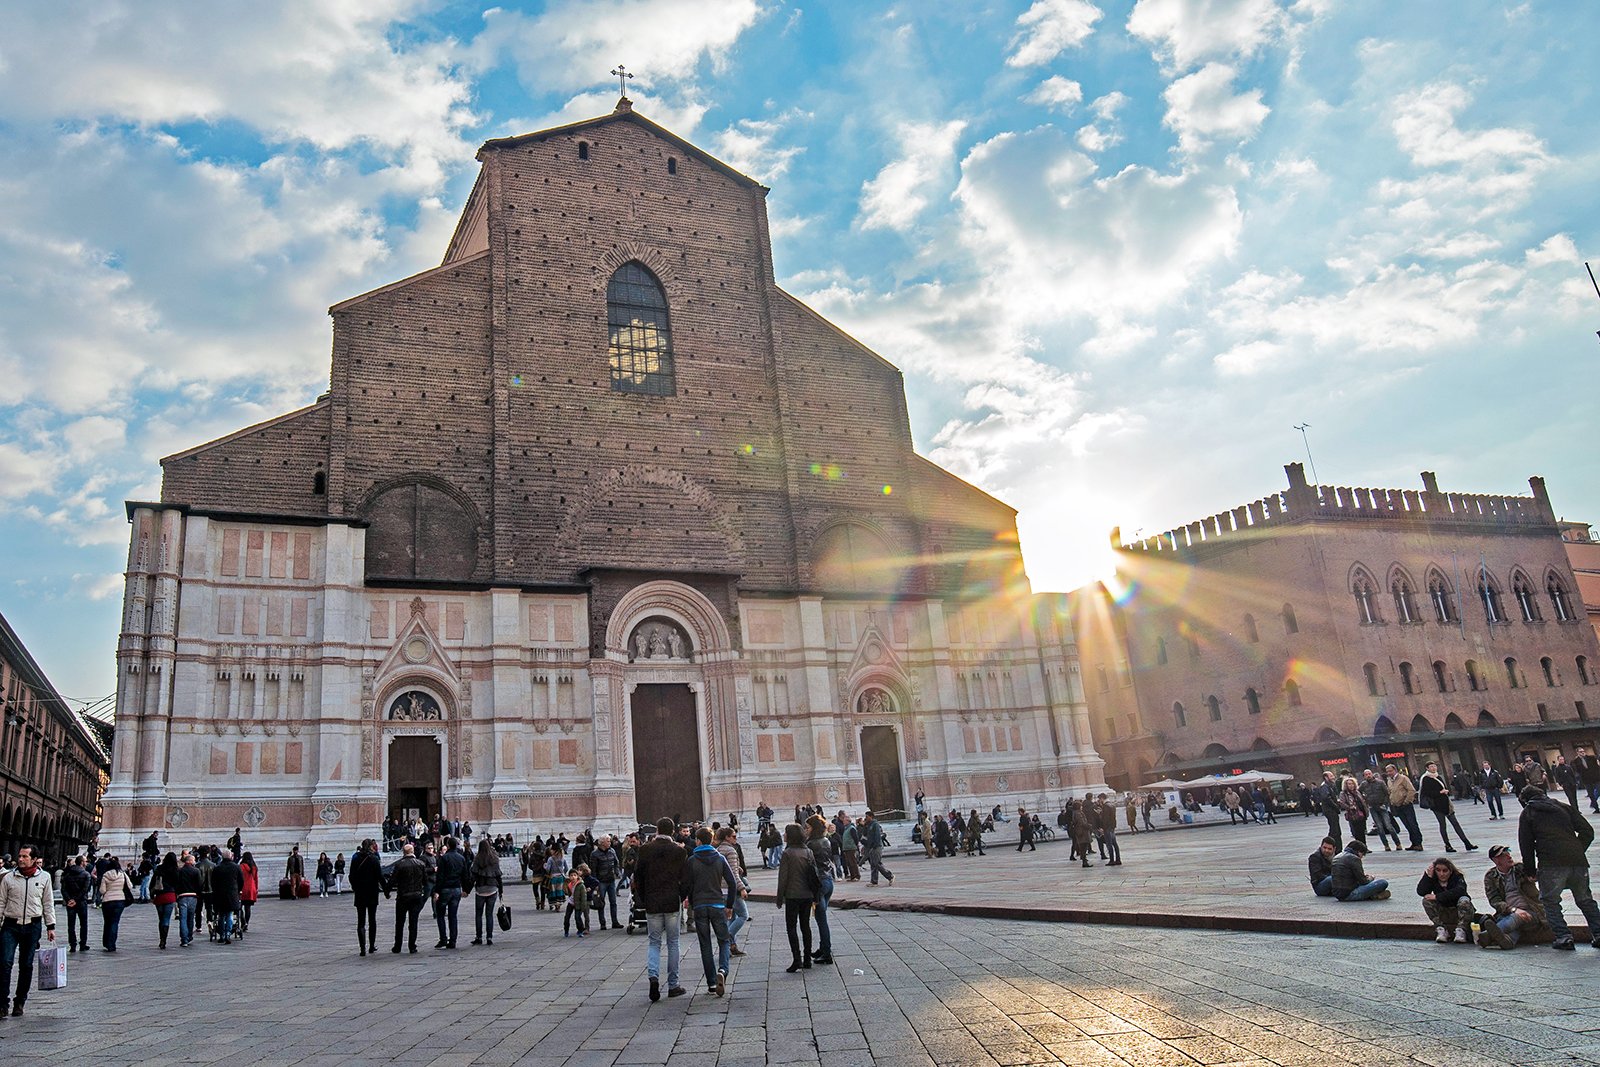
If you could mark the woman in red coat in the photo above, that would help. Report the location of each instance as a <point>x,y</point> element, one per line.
<point>251,890</point>
<point>164,892</point>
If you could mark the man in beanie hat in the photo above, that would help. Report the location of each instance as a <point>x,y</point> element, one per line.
<point>1554,839</point>
<point>1350,879</point>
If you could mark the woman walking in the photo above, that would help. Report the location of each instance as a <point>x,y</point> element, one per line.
<point>366,882</point>
<point>488,888</point>
<point>115,892</point>
<point>1435,796</point>
<point>798,886</point>
<point>164,891</point>
<point>249,892</point>
<point>324,874</point>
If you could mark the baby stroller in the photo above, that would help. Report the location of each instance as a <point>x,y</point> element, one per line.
<point>638,922</point>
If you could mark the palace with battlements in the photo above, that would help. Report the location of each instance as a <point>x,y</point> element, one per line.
<point>1326,626</point>
<point>594,524</point>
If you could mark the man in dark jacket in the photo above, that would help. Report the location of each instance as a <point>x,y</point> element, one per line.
<point>606,866</point>
<point>366,882</point>
<point>1493,786</point>
<point>1319,865</point>
<point>447,885</point>
<point>1351,880</point>
<point>227,881</point>
<point>1326,798</point>
<point>409,880</point>
<point>708,872</point>
<point>660,884</point>
<point>1554,839</point>
<point>76,887</point>
<point>1588,770</point>
<point>1567,779</point>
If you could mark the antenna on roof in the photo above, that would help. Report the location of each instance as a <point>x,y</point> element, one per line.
<point>1303,427</point>
<point>1593,283</point>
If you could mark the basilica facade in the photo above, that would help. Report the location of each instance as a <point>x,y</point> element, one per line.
<point>594,524</point>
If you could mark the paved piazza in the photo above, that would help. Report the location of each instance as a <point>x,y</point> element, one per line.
<point>932,989</point>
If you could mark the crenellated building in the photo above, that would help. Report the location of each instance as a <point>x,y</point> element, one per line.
<point>594,524</point>
<point>1331,626</point>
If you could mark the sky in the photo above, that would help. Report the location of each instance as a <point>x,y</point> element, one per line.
<point>1120,248</point>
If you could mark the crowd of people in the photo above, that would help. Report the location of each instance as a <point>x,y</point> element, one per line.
<point>1524,896</point>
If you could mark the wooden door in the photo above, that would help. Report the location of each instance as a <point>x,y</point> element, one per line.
<point>414,775</point>
<point>880,763</point>
<point>666,754</point>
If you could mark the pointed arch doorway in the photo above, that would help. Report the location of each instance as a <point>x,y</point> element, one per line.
<point>415,763</point>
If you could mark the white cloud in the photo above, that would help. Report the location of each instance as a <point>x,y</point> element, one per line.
<point>1202,107</point>
<point>570,45</point>
<point>1107,106</point>
<point>1425,125</point>
<point>1248,358</point>
<point>1094,139</point>
<point>900,192</point>
<point>748,146</point>
<point>1049,28</point>
<point>273,67</point>
<point>1057,239</point>
<point>1185,32</point>
<point>1061,94</point>
<point>24,472</point>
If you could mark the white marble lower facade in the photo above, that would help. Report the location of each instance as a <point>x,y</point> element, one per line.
<point>263,685</point>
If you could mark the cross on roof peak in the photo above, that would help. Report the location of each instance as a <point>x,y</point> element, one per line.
<point>622,75</point>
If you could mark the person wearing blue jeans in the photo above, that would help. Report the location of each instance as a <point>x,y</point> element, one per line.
<point>1320,867</point>
<point>728,845</point>
<point>1350,879</point>
<point>29,911</point>
<point>453,865</point>
<point>708,874</point>
<point>821,848</point>
<point>1554,839</point>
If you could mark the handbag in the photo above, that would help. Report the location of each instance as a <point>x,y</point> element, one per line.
<point>52,966</point>
<point>502,915</point>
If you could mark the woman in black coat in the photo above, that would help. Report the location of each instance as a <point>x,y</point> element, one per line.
<point>366,882</point>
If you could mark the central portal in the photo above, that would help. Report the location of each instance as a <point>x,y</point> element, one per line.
<point>666,754</point>
<point>880,765</point>
<point>414,777</point>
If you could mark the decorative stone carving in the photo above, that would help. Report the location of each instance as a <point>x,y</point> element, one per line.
<point>659,638</point>
<point>466,753</point>
<point>177,817</point>
<point>1002,783</point>
<point>329,814</point>
<point>875,701</point>
<point>1053,780</point>
<point>831,794</point>
<point>602,724</point>
<point>414,706</point>
<point>269,727</point>
<point>416,650</point>
<point>742,708</point>
<point>510,809</point>
<point>368,754</point>
<point>294,727</point>
<point>961,785</point>
<point>254,816</point>
<point>418,608</point>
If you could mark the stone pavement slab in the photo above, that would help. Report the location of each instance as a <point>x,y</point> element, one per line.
<point>908,988</point>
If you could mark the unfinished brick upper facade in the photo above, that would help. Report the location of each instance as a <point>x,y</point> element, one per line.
<point>473,463</point>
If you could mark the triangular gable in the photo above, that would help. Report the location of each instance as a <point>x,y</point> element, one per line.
<point>625,113</point>
<point>416,649</point>
<point>875,655</point>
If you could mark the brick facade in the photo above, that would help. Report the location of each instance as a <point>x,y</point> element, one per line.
<point>473,461</point>
<point>1256,608</point>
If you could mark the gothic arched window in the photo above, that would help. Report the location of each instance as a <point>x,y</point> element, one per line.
<point>1405,600</point>
<point>1527,602</point>
<point>640,347</point>
<point>1488,592</point>
<point>1439,595</point>
<point>1214,706</point>
<point>1559,599</point>
<point>1366,599</point>
<point>1252,701</point>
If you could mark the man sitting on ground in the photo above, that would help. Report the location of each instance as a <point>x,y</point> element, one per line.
<point>1320,865</point>
<point>1515,899</point>
<point>1351,880</point>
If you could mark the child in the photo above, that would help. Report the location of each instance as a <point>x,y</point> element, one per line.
<point>555,880</point>
<point>577,901</point>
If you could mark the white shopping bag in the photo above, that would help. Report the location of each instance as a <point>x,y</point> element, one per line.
<point>52,964</point>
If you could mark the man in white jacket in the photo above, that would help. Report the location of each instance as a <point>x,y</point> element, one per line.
<point>26,903</point>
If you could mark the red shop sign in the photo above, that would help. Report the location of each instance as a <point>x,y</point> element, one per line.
<point>1335,762</point>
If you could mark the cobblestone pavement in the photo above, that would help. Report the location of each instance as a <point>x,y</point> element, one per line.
<point>908,989</point>
<point>1251,872</point>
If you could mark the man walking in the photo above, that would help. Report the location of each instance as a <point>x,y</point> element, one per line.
<point>708,873</point>
<point>1025,831</point>
<point>1588,770</point>
<point>294,869</point>
<point>872,841</point>
<point>1403,804</point>
<point>1375,794</point>
<point>1107,813</point>
<point>410,881</point>
<point>1567,779</point>
<point>26,903</point>
<point>227,882</point>
<point>975,833</point>
<point>1554,839</point>
<point>75,891</point>
<point>606,866</point>
<point>447,892</point>
<point>1327,800</point>
<point>1493,786</point>
<point>659,884</point>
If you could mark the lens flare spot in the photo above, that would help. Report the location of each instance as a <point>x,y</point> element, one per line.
<point>887,490</point>
<point>748,450</point>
